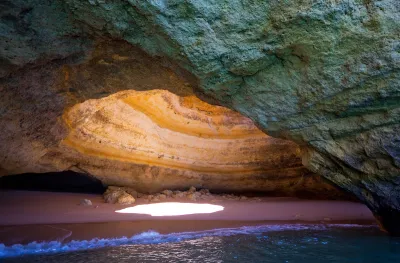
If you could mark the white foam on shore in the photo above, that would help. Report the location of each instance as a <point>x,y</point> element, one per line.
<point>152,237</point>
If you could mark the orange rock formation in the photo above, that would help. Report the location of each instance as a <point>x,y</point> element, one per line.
<point>154,140</point>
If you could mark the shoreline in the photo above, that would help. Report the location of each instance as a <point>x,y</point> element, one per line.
<point>64,233</point>
<point>46,216</point>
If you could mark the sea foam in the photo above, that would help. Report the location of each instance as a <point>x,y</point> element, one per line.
<point>152,237</point>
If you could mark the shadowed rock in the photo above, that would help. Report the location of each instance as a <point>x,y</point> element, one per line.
<point>324,74</point>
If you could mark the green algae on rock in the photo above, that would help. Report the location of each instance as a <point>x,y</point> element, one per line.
<point>324,74</point>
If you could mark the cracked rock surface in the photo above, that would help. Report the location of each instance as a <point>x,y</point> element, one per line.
<point>323,74</point>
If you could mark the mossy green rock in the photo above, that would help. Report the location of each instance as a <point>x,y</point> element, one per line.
<point>323,73</point>
<point>33,32</point>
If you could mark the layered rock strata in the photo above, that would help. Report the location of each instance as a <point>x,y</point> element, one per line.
<point>324,74</point>
<point>145,137</point>
<point>153,140</point>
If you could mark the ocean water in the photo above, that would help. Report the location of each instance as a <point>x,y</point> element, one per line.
<point>271,243</point>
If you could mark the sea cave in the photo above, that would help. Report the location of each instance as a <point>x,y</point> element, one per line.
<point>199,131</point>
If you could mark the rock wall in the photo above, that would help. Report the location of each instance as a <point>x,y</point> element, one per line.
<point>324,74</point>
<point>70,115</point>
<point>155,140</point>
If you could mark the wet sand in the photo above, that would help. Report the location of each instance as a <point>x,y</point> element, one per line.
<point>45,216</point>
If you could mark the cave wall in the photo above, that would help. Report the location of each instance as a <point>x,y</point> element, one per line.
<point>153,135</point>
<point>324,74</point>
<point>155,140</point>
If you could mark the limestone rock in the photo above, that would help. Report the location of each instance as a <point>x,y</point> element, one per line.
<point>131,191</point>
<point>118,139</point>
<point>167,193</point>
<point>243,198</point>
<point>85,202</point>
<point>205,191</point>
<point>324,74</point>
<point>125,199</point>
<point>197,194</point>
<point>35,32</point>
<point>115,188</point>
<point>118,195</point>
<point>112,194</point>
<point>178,194</point>
<point>192,190</point>
<point>186,148</point>
<point>192,196</point>
<point>161,196</point>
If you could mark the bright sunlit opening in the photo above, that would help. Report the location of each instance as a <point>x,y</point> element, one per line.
<point>172,209</point>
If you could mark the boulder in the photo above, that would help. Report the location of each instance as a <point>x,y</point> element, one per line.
<point>161,196</point>
<point>131,191</point>
<point>168,193</point>
<point>125,199</point>
<point>118,195</point>
<point>85,202</point>
<point>112,194</point>
<point>192,190</point>
<point>178,194</point>
<point>197,194</point>
<point>192,197</point>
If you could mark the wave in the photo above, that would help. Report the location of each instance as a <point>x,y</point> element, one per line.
<point>152,237</point>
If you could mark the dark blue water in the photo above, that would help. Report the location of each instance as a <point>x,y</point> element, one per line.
<point>283,243</point>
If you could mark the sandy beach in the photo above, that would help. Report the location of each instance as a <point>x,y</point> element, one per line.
<point>58,216</point>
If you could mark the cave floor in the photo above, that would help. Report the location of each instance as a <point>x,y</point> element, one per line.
<point>27,216</point>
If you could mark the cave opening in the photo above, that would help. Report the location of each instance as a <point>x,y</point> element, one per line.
<point>130,119</point>
<point>156,140</point>
<point>273,110</point>
<point>66,181</point>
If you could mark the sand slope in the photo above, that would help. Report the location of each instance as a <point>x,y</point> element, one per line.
<point>43,216</point>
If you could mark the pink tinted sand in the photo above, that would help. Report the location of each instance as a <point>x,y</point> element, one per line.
<point>27,216</point>
<point>23,207</point>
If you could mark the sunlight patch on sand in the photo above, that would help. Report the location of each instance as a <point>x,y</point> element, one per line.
<point>172,209</point>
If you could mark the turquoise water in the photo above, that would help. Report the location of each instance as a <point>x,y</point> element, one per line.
<point>274,243</point>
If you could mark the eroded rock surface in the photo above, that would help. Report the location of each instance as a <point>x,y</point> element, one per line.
<point>192,194</point>
<point>324,74</point>
<point>119,195</point>
<point>152,140</point>
<point>182,140</point>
